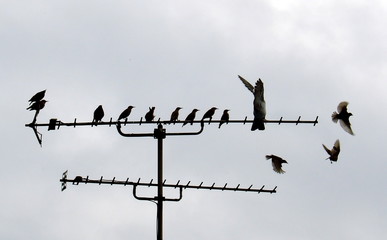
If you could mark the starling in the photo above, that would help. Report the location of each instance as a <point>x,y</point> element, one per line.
<point>259,103</point>
<point>78,179</point>
<point>149,116</point>
<point>334,153</point>
<point>37,97</point>
<point>190,118</point>
<point>225,117</point>
<point>37,105</point>
<point>125,113</point>
<point>209,114</point>
<point>343,115</point>
<point>175,115</point>
<point>98,115</point>
<point>277,163</point>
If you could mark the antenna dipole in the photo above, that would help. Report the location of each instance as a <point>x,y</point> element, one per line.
<point>160,134</point>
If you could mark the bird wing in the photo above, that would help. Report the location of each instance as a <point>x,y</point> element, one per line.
<point>342,106</point>
<point>99,113</point>
<point>225,116</point>
<point>124,114</point>
<point>346,125</point>
<point>277,165</point>
<point>336,148</point>
<point>327,150</point>
<point>258,90</point>
<point>38,96</point>
<point>337,145</point>
<point>276,162</point>
<point>247,84</point>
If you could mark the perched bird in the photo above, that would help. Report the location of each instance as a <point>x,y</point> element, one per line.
<point>175,115</point>
<point>343,115</point>
<point>77,179</point>
<point>277,163</point>
<point>334,152</point>
<point>190,118</point>
<point>98,115</point>
<point>125,113</point>
<point>37,105</point>
<point>37,97</point>
<point>225,117</point>
<point>149,116</point>
<point>259,103</point>
<point>209,114</point>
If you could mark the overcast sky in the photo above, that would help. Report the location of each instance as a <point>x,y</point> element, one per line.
<point>311,55</point>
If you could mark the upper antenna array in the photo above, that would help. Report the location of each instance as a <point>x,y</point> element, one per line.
<point>55,124</point>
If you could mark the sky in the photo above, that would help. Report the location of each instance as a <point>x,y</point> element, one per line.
<point>311,55</point>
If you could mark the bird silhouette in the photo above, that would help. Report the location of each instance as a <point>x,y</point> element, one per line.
<point>209,114</point>
<point>343,115</point>
<point>77,179</point>
<point>276,163</point>
<point>259,103</point>
<point>225,117</point>
<point>98,115</point>
<point>37,105</point>
<point>125,113</point>
<point>190,118</point>
<point>175,115</point>
<point>37,97</point>
<point>334,152</point>
<point>149,116</point>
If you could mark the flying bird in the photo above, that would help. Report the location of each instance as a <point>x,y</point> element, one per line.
<point>343,115</point>
<point>259,103</point>
<point>175,115</point>
<point>277,163</point>
<point>209,114</point>
<point>98,115</point>
<point>126,113</point>
<point>334,152</point>
<point>149,116</point>
<point>37,105</point>
<point>190,118</point>
<point>37,97</point>
<point>225,117</point>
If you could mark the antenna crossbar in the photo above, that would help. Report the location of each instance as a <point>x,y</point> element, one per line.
<point>224,187</point>
<point>56,124</point>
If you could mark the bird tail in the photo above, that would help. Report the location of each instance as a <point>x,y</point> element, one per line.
<point>258,125</point>
<point>335,117</point>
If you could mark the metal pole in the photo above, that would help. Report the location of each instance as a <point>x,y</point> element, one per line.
<point>160,135</point>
